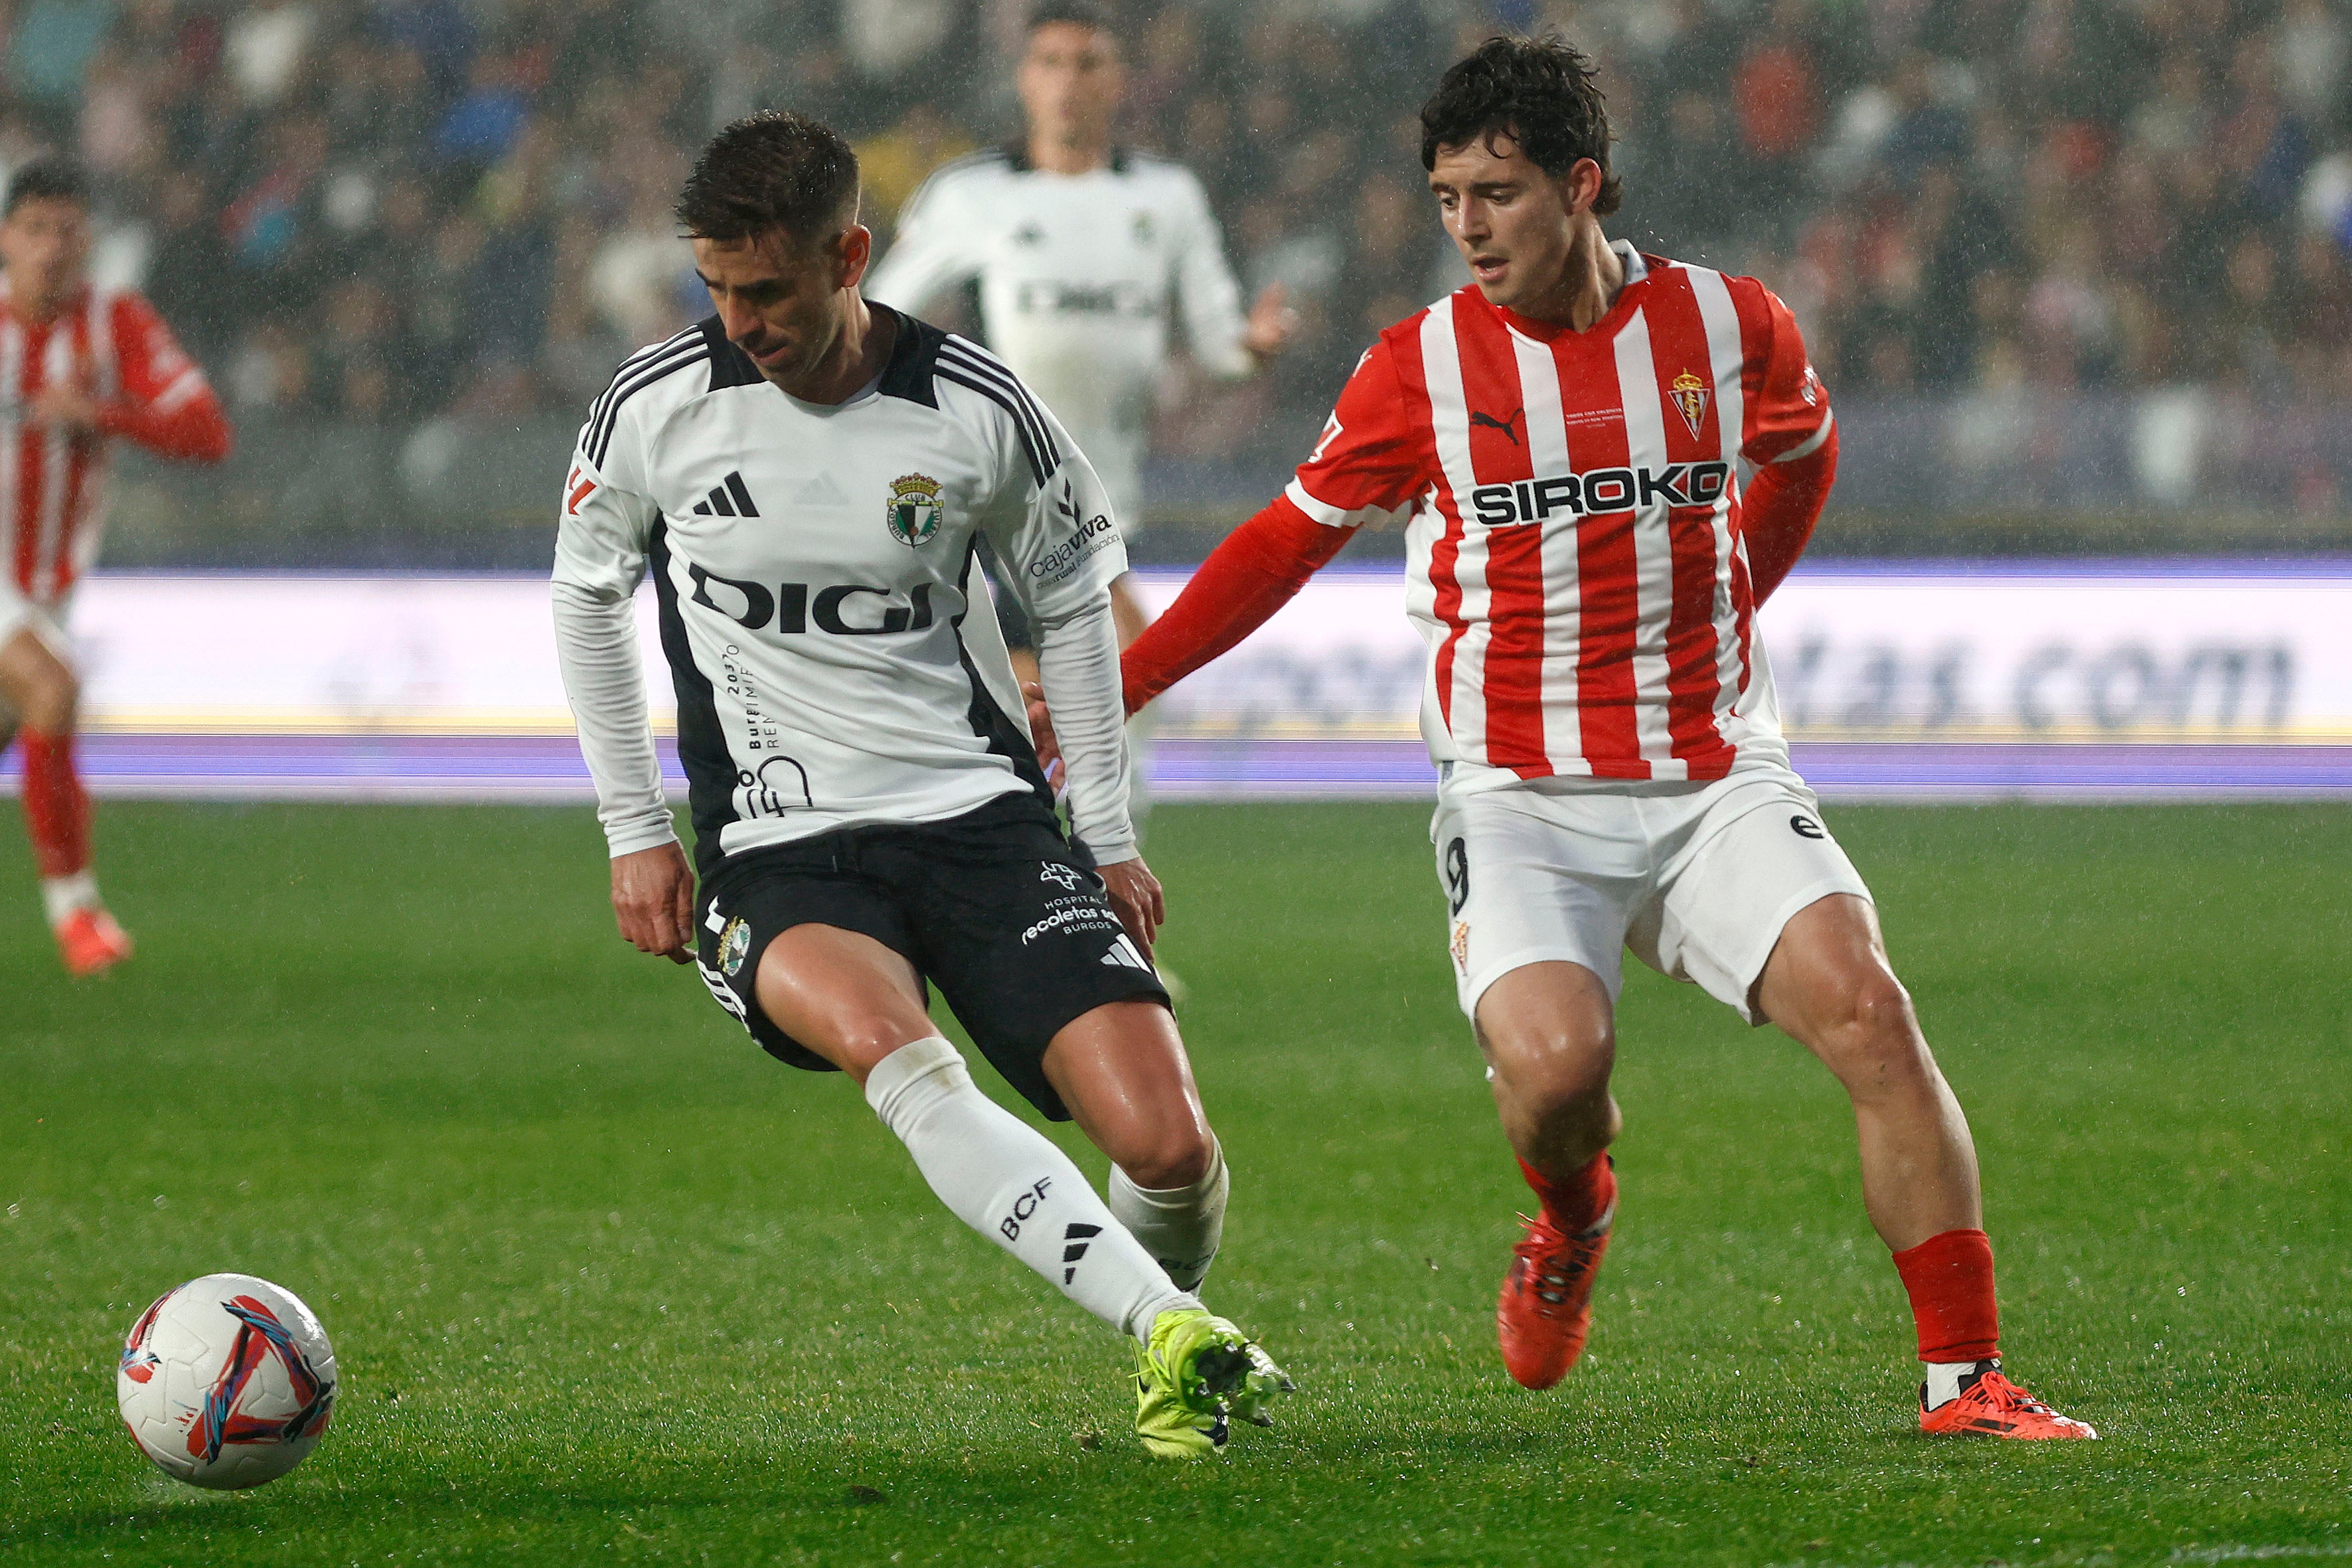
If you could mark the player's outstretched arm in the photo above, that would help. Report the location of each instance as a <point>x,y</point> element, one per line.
<point>1259,568</point>
<point>1370,463</point>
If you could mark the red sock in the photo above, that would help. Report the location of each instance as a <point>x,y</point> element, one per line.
<point>57,808</point>
<point>1950,1277</point>
<point>1575,1203</point>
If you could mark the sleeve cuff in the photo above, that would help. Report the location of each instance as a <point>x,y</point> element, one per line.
<point>628,838</point>
<point>1811,444</point>
<point>1115,854</point>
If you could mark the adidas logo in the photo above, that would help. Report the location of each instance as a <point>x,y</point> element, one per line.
<point>820,491</point>
<point>730,500</point>
<point>1073,1246</point>
<point>1122,955</point>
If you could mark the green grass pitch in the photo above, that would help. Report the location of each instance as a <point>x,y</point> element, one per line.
<point>607,1285</point>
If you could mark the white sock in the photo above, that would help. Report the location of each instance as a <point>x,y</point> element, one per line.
<point>1946,1378</point>
<point>1179,1226</point>
<point>64,895</point>
<point>1003,1178</point>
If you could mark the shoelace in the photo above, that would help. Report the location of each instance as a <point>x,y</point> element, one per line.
<point>1998,1389</point>
<point>1542,1249</point>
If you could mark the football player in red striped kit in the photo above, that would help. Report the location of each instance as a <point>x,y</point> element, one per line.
<point>1563,441</point>
<point>80,368</point>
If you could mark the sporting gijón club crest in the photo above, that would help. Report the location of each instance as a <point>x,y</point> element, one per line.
<point>218,1422</point>
<point>1689,393</point>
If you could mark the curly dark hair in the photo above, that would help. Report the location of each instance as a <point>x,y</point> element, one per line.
<point>1538,92</point>
<point>768,170</point>
<point>46,180</point>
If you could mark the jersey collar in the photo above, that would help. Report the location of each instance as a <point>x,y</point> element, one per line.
<point>1016,153</point>
<point>909,372</point>
<point>1637,272</point>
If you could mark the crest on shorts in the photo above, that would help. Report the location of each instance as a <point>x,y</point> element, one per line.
<point>916,511</point>
<point>734,944</point>
<point>1460,947</point>
<point>1689,393</point>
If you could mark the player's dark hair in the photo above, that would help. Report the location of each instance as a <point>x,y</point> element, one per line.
<point>768,170</point>
<point>1072,13</point>
<point>1537,91</point>
<point>45,180</point>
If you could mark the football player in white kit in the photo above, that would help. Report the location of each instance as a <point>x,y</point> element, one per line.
<point>1083,251</point>
<point>807,478</point>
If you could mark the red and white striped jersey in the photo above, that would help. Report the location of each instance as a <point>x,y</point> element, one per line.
<point>1574,516</point>
<point>117,351</point>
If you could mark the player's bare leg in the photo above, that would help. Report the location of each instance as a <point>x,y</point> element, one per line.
<point>1829,985</point>
<point>1549,1032</point>
<point>861,1006</point>
<point>1122,1071</point>
<point>38,685</point>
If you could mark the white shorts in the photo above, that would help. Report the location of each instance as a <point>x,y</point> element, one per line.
<point>1697,879</point>
<point>45,622</point>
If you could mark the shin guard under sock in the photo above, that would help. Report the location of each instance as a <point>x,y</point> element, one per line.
<point>57,807</point>
<point>1179,1226</point>
<point>1005,1179</point>
<point>1949,1279</point>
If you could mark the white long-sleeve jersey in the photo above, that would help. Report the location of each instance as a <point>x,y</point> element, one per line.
<point>814,565</point>
<point>1079,275</point>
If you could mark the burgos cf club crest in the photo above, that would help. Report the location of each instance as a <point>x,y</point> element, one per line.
<point>916,511</point>
<point>1689,393</point>
<point>734,944</point>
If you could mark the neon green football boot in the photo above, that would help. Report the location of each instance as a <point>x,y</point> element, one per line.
<point>1195,1372</point>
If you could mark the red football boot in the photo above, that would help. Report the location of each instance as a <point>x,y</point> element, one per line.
<point>1546,1308</point>
<point>90,942</point>
<point>1990,1405</point>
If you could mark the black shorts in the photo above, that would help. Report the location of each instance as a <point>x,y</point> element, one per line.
<point>996,908</point>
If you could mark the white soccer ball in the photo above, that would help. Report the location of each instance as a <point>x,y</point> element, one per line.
<point>226,1382</point>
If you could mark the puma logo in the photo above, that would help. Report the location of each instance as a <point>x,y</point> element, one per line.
<point>1503,423</point>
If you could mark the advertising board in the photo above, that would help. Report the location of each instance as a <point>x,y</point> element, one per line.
<point>1899,679</point>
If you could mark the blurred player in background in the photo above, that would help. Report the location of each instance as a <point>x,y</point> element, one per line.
<point>1565,437</point>
<point>79,367</point>
<point>1083,250</point>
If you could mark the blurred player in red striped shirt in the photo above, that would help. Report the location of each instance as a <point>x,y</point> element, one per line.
<point>79,367</point>
<point>1564,442</point>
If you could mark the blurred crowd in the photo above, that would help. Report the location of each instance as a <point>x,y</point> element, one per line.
<point>393,209</point>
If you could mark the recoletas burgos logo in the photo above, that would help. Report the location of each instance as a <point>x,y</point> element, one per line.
<point>916,510</point>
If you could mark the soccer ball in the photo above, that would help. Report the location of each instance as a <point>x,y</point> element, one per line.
<point>226,1382</point>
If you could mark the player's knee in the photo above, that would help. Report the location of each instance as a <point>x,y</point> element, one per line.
<point>1877,1037</point>
<point>1557,1069</point>
<point>1175,1157</point>
<point>859,1043</point>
